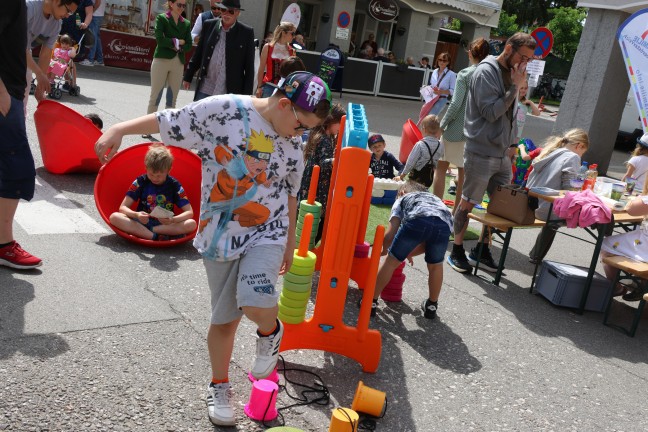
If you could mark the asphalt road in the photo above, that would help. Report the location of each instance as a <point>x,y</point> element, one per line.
<point>110,336</point>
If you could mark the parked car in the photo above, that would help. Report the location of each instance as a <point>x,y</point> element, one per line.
<point>630,127</point>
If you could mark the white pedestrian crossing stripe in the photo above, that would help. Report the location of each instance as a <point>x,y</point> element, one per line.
<point>50,212</point>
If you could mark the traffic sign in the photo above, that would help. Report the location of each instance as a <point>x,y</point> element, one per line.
<point>344,19</point>
<point>544,38</point>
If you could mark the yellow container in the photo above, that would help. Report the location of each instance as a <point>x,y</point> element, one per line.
<point>368,400</point>
<point>344,420</point>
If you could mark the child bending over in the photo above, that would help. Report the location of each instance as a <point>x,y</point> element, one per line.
<point>420,223</point>
<point>156,188</point>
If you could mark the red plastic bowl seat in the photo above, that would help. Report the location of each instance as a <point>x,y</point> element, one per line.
<point>410,136</point>
<point>118,174</point>
<point>66,139</point>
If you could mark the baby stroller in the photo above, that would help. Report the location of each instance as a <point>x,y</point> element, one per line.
<point>64,76</point>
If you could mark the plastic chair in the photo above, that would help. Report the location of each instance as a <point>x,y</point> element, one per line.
<point>66,139</point>
<point>118,174</point>
<point>411,134</point>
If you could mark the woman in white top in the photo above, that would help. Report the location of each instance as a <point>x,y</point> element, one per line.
<point>272,54</point>
<point>443,82</point>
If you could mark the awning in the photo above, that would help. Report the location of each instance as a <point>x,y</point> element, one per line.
<point>479,7</point>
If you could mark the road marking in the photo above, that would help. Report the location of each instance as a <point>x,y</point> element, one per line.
<point>50,212</point>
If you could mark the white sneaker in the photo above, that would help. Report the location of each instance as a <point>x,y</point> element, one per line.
<point>267,353</point>
<point>86,62</point>
<point>219,406</point>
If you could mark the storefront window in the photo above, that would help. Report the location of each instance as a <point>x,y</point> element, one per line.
<point>130,16</point>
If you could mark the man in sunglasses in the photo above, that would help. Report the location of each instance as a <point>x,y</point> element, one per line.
<point>224,58</point>
<point>213,13</point>
<point>490,129</point>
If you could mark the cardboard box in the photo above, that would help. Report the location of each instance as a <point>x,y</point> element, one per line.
<point>563,284</point>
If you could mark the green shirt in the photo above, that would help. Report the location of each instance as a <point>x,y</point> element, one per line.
<point>166,30</point>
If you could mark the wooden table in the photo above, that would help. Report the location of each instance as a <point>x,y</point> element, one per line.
<point>621,220</point>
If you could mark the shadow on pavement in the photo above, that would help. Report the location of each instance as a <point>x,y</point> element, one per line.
<point>163,259</point>
<point>586,331</point>
<point>16,294</point>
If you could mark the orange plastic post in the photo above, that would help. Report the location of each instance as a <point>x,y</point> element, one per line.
<point>306,234</point>
<point>312,189</point>
<point>336,163</point>
<point>326,330</point>
<point>364,216</point>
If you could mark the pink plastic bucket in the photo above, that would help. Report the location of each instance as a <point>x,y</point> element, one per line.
<point>263,400</point>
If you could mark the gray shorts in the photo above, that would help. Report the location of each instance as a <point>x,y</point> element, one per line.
<point>250,280</point>
<point>484,174</point>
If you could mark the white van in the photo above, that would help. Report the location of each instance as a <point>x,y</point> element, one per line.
<point>630,128</point>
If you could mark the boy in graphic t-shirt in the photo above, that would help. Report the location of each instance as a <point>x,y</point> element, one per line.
<point>252,165</point>
<point>383,163</point>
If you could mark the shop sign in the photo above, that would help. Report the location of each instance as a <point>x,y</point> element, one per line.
<point>127,51</point>
<point>383,10</point>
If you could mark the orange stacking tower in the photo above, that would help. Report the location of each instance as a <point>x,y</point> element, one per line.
<point>347,211</point>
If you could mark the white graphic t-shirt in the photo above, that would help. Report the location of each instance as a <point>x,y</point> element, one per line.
<point>248,171</point>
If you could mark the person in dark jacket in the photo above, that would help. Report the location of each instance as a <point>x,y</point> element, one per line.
<point>224,57</point>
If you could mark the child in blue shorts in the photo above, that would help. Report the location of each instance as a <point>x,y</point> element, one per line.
<point>154,189</point>
<point>419,223</point>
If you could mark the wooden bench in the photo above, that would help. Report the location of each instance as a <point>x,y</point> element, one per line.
<point>499,224</point>
<point>635,270</point>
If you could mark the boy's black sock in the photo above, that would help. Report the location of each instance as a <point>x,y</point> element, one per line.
<point>458,249</point>
<point>5,244</point>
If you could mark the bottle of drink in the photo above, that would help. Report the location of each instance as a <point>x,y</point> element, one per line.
<point>582,172</point>
<point>590,177</point>
<point>78,20</point>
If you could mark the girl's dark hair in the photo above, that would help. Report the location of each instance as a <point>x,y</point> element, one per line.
<point>95,119</point>
<point>640,150</point>
<point>479,49</point>
<point>290,65</point>
<point>319,132</point>
<point>66,39</point>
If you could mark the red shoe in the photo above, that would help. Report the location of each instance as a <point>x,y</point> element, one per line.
<point>15,256</point>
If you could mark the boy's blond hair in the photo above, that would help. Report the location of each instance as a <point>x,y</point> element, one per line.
<point>158,158</point>
<point>430,124</point>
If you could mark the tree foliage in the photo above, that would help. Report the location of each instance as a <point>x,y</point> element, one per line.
<point>534,13</point>
<point>507,25</point>
<point>566,24</point>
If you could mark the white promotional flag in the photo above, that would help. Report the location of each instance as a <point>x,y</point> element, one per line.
<point>633,38</point>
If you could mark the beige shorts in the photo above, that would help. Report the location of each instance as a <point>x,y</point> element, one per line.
<point>454,152</point>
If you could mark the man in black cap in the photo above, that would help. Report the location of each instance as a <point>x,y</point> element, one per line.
<point>224,57</point>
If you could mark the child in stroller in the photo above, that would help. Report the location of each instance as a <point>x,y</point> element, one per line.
<point>62,71</point>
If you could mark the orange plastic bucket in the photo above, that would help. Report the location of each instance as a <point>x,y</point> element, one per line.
<point>411,134</point>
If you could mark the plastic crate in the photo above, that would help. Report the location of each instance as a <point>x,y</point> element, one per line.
<point>563,284</point>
